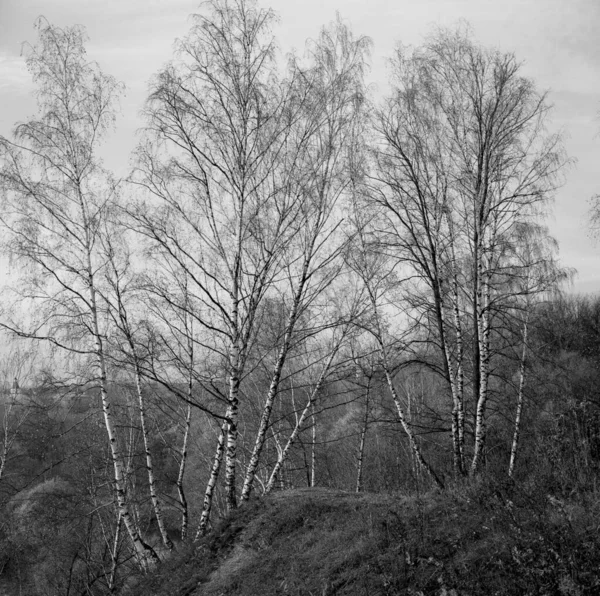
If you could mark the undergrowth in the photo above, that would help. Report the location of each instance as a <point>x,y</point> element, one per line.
<point>482,538</point>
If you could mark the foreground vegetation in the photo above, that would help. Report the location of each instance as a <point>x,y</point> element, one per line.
<point>534,533</point>
<point>485,539</point>
<point>298,285</point>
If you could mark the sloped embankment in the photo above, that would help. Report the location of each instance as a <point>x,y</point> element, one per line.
<point>322,542</point>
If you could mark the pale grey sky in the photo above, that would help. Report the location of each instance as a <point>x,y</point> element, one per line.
<point>555,39</point>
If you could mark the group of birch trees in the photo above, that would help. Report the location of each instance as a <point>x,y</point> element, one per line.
<point>282,232</point>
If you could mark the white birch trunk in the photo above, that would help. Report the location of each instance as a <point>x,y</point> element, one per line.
<point>276,377</point>
<point>180,475</point>
<point>363,436</point>
<point>8,440</point>
<point>305,412</point>
<point>115,555</point>
<point>515,441</point>
<point>212,483</point>
<point>231,447</point>
<point>264,421</point>
<point>460,416</point>
<point>313,453</point>
<point>483,322</point>
<point>145,553</point>
<point>416,450</point>
<point>149,466</point>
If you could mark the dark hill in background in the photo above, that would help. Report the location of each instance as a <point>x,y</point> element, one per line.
<point>483,539</point>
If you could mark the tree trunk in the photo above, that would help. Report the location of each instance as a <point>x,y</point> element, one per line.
<point>460,414</point>
<point>144,552</point>
<point>416,450</point>
<point>515,441</point>
<point>313,445</point>
<point>231,449</point>
<point>212,482</point>
<point>305,412</point>
<point>182,462</point>
<point>149,466</point>
<point>115,556</point>
<point>483,321</point>
<point>276,376</point>
<point>361,446</point>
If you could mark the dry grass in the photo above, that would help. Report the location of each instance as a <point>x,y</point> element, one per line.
<point>472,540</point>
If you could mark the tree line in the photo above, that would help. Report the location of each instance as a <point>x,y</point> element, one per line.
<point>291,265</point>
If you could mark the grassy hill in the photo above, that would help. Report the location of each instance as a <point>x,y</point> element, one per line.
<point>482,539</point>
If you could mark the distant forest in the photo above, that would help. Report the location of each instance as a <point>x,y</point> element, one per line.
<point>299,284</point>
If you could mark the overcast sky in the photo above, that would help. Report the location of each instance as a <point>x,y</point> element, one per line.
<point>557,40</point>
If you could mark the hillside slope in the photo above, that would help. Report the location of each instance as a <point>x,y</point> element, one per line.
<point>482,540</point>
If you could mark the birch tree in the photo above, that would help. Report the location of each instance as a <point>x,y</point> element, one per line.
<point>327,367</point>
<point>120,284</point>
<point>534,275</point>
<point>56,196</point>
<point>218,213</point>
<point>332,92</point>
<point>379,278</point>
<point>464,159</point>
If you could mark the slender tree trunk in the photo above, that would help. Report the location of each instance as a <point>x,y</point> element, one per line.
<point>460,379</point>
<point>484,357</point>
<point>459,414</point>
<point>276,376</point>
<point>180,475</point>
<point>363,436</point>
<point>313,447</point>
<point>515,441</point>
<point>212,482</point>
<point>149,466</point>
<point>126,330</point>
<point>6,443</point>
<point>115,556</point>
<point>305,413</point>
<point>231,449</point>
<point>265,417</point>
<point>416,450</point>
<point>449,374</point>
<point>145,553</point>
<point>476,318</point>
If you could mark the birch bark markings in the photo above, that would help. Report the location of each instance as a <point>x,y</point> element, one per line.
<point>180,474</point>
<point>212,482</point>
<point>363,435</point>
<point>517,429</point>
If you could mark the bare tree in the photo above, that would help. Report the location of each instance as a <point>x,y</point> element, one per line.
<point>244,171</point>
<point>375,272</point>
<point>120,289</point>
<point>56,197</point>
<point>534,274</point>
<point>463,160</point>
<point>332,94</point>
